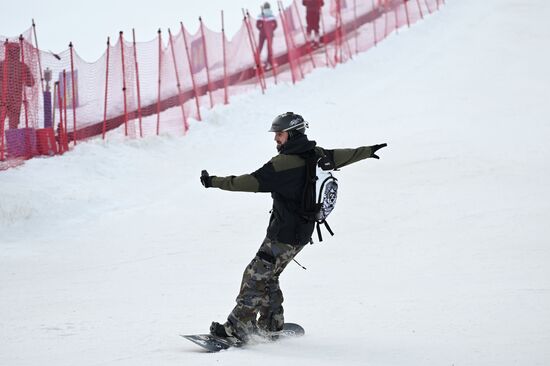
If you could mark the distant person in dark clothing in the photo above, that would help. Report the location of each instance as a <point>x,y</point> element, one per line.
<point>13,74</point>
<point>313,16</point>
<point>266,24</point>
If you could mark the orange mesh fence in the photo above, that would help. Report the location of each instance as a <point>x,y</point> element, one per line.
<point>49,102</point>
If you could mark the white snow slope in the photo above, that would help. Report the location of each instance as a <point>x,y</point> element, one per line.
<point>441,251</point>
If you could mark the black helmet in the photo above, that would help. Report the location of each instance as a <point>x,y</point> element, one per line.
<point>289,122</point>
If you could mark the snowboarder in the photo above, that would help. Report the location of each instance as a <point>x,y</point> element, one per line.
<point>287,233</point>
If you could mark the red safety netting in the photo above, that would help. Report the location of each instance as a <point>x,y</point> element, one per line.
<point>49,102</point>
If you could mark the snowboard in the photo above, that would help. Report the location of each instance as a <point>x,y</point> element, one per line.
<point>212,343</point>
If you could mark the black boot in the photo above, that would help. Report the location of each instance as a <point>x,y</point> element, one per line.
<point>218,330</point>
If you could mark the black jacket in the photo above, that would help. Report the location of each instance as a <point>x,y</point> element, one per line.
<point>284,177</point>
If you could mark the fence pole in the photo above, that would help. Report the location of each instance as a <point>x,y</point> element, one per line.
<point>66,140</point>
<point>24,80</point>
<point>355,26</point>
<point>191,71</point>
<point>60,132</point>
<point>225,94</point>
<point>256,52</point>
<point>293,43</point>
<point>4,108</point>
<point>374,26</point>
<point>407,13</point>
<point>255,55</point>
<point>288,51</point>
<point>396,20</point>
<point>343,30</point>
<point>385,21</point>
<point>328,62</point>
<point>74,93</point>
<point>274,65</point>
<point>159,32</point>
<point>206,62</point>
<point>338,35</point>
<point>137,83</point>
<point>428,7</point>
<point>106,88</point>
<point>420,9</point>
<point>121,41</point>
<point>38,52</point>
<point>181,102</point>
<point>291,40</point>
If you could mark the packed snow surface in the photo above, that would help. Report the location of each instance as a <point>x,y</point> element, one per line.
<point>441,254</point>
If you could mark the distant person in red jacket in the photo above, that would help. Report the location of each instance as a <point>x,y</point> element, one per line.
<point>313,16</point>
<point>266,24</point>
<point>13,74</point>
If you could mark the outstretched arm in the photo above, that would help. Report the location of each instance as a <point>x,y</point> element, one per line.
<point>241,183</point>
<point>271,177</point>
<point>343,157</point>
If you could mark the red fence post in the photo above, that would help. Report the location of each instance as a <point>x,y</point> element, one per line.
<point>191,71</point>
<point>407,12</point>
<point>396,20</point>
<point>343,31</point>
<point>137,83</point>
<point>206,62</point>
<point>292,43</point>
<point>420,9</point>
<point>374,26</point>
<point>38,52</point>
<point>4,108</point>
<point>355,26</point>
<point>327,57</point>
<point>338,35</point>
<point>60,129</point>
<point>255,55</point>
<point>181,102</point>
<point>24,81</point>
<point>159,79</point>
<point>274,65</point>
<point>385,21</point>
<point>428,6</point>
<point>74,93</point>
<point>121,41</point>
<point>256,52</point>
<point>106,88</point>
<point>66,139</point>
<point>225,94</point>
<point>288,46</point>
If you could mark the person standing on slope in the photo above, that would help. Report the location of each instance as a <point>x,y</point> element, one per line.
<point>266,25</point>
<point>313,16</point>
<point>287,233</point>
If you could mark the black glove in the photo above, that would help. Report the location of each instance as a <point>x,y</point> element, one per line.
<point>206,179</point>
<point>375,148</point>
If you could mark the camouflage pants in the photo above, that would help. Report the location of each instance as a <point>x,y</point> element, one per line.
<point>260,293</point>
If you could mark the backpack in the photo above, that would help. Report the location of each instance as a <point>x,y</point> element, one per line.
<point>320,190</point>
